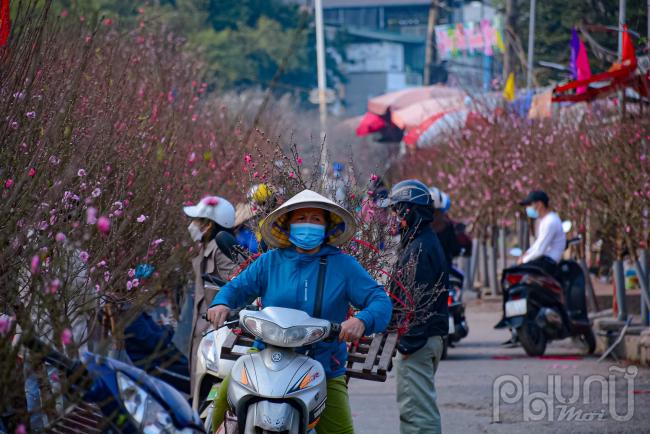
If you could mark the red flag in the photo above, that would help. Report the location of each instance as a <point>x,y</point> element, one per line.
<point>628,49</point>
<point>5,22</point>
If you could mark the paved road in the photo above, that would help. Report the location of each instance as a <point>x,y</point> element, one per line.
<point>465,388</point>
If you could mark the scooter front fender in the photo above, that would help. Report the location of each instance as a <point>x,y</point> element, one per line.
<point>273,416</point>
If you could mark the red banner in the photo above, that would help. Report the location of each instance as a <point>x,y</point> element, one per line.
<point>5,22</point>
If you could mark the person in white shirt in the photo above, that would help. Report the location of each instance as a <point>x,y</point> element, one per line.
<point>550,242</point>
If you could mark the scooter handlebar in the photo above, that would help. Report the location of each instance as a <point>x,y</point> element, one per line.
<point>233,315</point>
<point>335,330</point>
<point>49,354</point>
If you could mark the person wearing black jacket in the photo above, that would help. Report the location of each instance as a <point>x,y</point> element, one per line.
<point>420,347</point>
<point>446,233</point>
<point>443,226</point>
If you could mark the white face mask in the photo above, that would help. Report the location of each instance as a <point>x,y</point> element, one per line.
<point>195,231</point>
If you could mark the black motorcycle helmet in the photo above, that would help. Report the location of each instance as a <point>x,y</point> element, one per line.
<point>412,201</point>
<point>410,191</point>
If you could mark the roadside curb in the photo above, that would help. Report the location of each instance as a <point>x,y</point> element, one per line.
<point>635,345</point>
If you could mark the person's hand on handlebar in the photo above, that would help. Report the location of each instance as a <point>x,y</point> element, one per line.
<point>218,315</point>
<point>352,329</point>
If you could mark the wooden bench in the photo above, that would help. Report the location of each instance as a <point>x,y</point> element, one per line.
<point>371,358</point>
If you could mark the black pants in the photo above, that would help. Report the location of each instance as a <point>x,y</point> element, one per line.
<point>547,264</point>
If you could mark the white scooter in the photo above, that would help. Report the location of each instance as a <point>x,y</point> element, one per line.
<point>210,372</point>
<point>278,389</point>
<point>210,369</point>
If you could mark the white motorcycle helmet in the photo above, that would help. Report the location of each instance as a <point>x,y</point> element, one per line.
<point>214,208</point>
<point>440,199</point>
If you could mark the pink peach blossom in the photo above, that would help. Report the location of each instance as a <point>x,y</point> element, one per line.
<point>66,337</point>
<point>91,216</point>
<point>36,261</point>
<point>53,286</point>
<point>103,224</point>
<point>5,324</point>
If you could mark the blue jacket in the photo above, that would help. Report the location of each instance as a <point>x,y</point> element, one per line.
<point>286,278</point>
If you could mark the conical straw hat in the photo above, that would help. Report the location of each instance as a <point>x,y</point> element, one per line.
<point>342,224</point>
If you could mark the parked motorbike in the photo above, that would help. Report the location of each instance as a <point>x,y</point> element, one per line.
<point>130,400</point>
<point>148,351</point>
<point>278,389</point>
<point>539,308</point>
<point>458,328</point>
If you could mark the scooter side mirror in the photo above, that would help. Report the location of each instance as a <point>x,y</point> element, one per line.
<point>515,252</point>
<point>566,226</point>
<point>228,245</point>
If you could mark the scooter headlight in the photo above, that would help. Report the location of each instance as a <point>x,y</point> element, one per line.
<point>273,334</point>
<point>208,352</point>
<point>149,416</point>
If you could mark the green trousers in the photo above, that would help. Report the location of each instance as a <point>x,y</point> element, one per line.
<point>335,419</point>
<point>416,390</point>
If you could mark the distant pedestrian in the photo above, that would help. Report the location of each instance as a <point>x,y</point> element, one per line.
<point>420,348</point>
<point>550,240</point>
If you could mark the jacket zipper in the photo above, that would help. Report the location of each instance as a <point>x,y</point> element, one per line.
<point>306,286</point>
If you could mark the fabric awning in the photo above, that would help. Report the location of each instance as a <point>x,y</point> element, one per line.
<point>393,101</point>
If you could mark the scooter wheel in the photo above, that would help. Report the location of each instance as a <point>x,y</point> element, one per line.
<point>532,338</point>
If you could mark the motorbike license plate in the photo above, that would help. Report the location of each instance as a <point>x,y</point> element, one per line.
<point>452,325</point>
<point>213,392</point>
<point>516,308</point>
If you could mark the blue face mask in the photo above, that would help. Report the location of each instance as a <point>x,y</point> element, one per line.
<point>307,236</point>
<point>531,212</point>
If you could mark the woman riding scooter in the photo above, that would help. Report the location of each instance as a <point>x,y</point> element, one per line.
<point>212,215</point>
<point>305,231</point>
